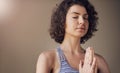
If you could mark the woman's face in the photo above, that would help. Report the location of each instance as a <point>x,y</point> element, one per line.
<point>76,21</point>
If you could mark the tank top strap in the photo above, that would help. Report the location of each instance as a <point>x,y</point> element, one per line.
<point>64,66</point>
<point>60,54</point>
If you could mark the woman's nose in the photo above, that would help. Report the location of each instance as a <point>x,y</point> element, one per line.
<point>81,20</point>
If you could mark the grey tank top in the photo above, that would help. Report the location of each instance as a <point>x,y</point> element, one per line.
<point>64,65</point>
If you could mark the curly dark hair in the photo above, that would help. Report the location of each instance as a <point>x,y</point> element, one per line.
<point>58,18</point>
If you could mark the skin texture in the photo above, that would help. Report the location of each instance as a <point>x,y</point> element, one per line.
<point>85,61</point>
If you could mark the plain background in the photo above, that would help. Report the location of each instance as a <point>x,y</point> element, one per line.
<point>24,33</point>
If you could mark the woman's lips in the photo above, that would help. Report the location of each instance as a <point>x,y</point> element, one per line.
<point>80,29</point>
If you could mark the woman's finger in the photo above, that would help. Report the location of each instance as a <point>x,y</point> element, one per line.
<point>93,66</point>
<point>89,55</point>
<point>86,56</point>
<point>80,65</point>
<point>96,68</point>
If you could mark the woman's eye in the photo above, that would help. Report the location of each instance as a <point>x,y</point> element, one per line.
<point>86,18</point>
<point>75,17</point>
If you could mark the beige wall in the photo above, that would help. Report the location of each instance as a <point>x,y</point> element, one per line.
<point>24,34</point>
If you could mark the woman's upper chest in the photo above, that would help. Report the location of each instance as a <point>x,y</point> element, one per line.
<point>74,60</point>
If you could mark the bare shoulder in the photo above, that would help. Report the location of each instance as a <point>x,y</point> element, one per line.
<point>100,58</point>
<point>48,54</point>
<point>102,64</point>
<point>46,61</point>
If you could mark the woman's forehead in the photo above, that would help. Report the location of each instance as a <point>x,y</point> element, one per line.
<point>77,9</point>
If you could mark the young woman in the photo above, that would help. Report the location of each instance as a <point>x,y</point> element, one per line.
<point>72,24</point>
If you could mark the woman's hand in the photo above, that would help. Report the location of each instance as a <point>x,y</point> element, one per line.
<point>89,65</point>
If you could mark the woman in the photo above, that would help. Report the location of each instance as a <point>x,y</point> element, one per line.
<point>72,24</point>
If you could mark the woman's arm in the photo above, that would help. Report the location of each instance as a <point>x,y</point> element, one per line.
<point>44,64</point>
<point>103,66</point>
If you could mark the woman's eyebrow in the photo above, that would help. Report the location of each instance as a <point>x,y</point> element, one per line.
<point>75,13</point>
<point>78,13</point>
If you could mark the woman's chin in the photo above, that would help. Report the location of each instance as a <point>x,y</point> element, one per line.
<point>79,35</point>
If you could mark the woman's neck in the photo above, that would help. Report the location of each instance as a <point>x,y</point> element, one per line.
<point>72,44</point>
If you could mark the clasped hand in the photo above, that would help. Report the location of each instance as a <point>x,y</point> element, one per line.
<point>90,63</point>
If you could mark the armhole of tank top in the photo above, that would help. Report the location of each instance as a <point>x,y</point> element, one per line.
<point>58,59</point>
